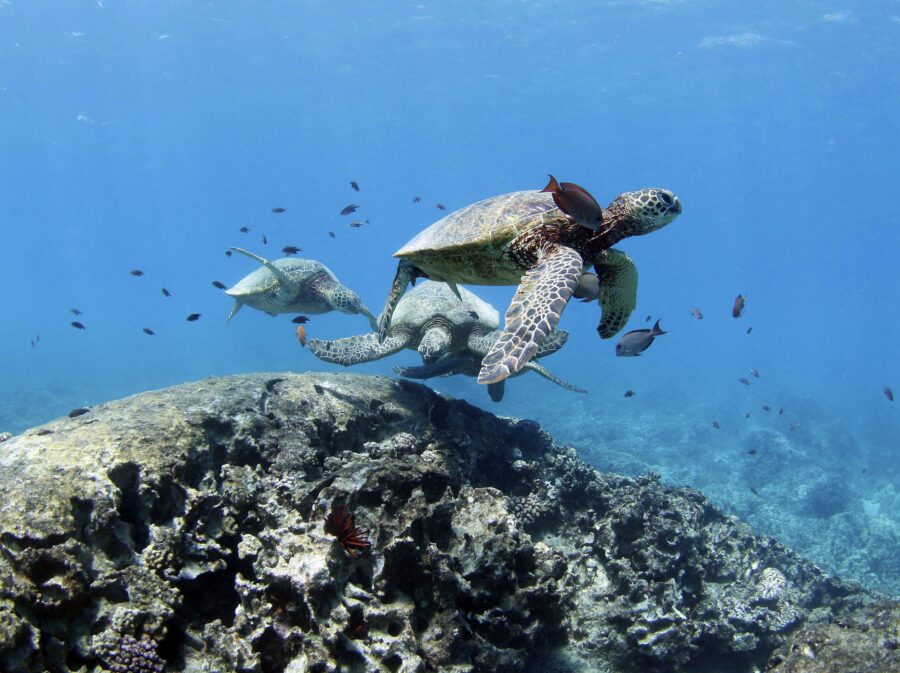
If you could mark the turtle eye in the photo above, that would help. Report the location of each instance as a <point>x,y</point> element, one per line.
<point>666,199</point>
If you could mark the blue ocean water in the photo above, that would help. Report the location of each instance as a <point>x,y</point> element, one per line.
<point>139,135</point>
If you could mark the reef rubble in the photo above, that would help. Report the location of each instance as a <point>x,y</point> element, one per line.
<point>182,529</point>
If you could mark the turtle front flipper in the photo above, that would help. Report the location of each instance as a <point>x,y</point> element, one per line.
<point>345,300</point>
<point>618,290</point>
<point>540,369</point>
<point>406,274</point>
<point>533,313</point>
<point>482,343</point>
<point>356,349</point>
<point>278,273</point>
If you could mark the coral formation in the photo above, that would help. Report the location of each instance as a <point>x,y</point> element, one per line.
<point>183,529</point>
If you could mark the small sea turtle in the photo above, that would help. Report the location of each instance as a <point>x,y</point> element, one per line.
<point>292,285</point>
<point>524,239</point>
<point>451,334</point>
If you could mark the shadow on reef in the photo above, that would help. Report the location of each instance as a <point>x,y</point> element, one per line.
<point>183,529</point>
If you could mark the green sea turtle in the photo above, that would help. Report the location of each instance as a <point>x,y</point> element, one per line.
<point>292,285</point>
<point>451,334</point>
<point>524,239</point>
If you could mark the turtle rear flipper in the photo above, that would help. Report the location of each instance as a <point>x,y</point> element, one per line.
<point>533,313</point>
<point>286,280</point>
<point>356,349</point>
<point>618,290</point>
<point>234,309</point>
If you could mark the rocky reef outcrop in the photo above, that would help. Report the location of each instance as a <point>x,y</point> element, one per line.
<point>182,529</point>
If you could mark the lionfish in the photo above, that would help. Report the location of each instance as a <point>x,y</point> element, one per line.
<point>341,523</point>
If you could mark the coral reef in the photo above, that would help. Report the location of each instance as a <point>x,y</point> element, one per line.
<point>185,529</point>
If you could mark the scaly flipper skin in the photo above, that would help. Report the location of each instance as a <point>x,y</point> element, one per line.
<point>279,274</point>
<point>345,300</point>
<point>356,349</point>
<point>535,367</point>
<point>405,273</point>
<point>618,290</point>
<point>533,313</point>
<point>443,367</point>
<point>482,343</point>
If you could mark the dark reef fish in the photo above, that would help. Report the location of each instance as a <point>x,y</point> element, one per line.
<point>754,372</point>
<point>80,411</point>
<point>244,230</point>
<point>279,210</point>
<point>738,307</point>
<point>354,186</point>
<point>576,202</point>
<point>291,250</point>
<point>148,331</point>
<point>194,316</point>
<point>781,411</point>
<point>648,318</point>
<point>136,272</point>
<point>265,240</point>
<point>300,320</point>
<point>440,206</point>
<point>749,329</point>
<point>356,224</point>
<point>794,426</point>
<point>219,285</point>
<point>342,524</point>
<point>744,381</point>
<point>77,325</point>
<point>696,313</point>
<point>637,341</point>
<point>166,293</point>
<point>331,233</point>
<point>888,393</point>
<point>74,311</point>
<point>588,288</point>
<point>417,199</point>
<point>629,393</point>
<point>766,407</point>
<point>352,208</point>
<point>228,253</point>
<point>716,425</point>
<point>752,452</point>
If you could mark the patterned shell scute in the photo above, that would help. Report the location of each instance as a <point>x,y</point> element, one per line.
<point>262,280</point>
<point>489,223</point>
<point>428,299</point>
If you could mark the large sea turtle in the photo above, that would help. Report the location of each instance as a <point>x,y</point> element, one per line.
<point>524,239</point>
<point>450,332</point>
<point>292,285</point>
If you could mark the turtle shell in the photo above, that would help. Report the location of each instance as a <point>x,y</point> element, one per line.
<point>491,223</point>
<point>424,302</point>
<point>262,280</point>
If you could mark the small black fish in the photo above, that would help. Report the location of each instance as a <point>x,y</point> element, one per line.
<point>766,407</point>
<point>576,202</point>
<point>356,224</point>
<point>166,293</point>
<point>300,320</point>
<point>136,272</point>
<point>244,230</point>
<point>752,452</point>
<point>218,285</point>
<point>440,206</point>
<point>781,411</point>
<point>754,372</point>
<point>637,341</point>
<point>80,411</point>
<point>149,331</point>
<point>32,342</point>
<point>228,253</point>
<point>417,199</point>
<point>716,425</point>
<point>194,316</point>
<point>648,318</point>
<point>265,240</point>
<point>794,426</point>
<point>744,381</point>
<point>749,329</point>
<point>748,414</point>
<point>754,491</point>
<point>473,315</point>
<point>331,233</point>
<point>888,393</point>
<point>354,186</point>
<point>279,210</point>
<point>77,325</point>
<point>352,208</point>
<point>696,313</point>
<point>738,307</point>
<point>74,311</point>
<point>291,250</point>
<point>629,393</point>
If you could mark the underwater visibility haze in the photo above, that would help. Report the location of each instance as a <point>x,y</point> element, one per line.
<point>153,137</point>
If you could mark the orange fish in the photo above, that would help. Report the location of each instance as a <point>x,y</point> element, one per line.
<point>738,307</point>
<point>301,335</point>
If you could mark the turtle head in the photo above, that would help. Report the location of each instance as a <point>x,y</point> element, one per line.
<point>638,213</point>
